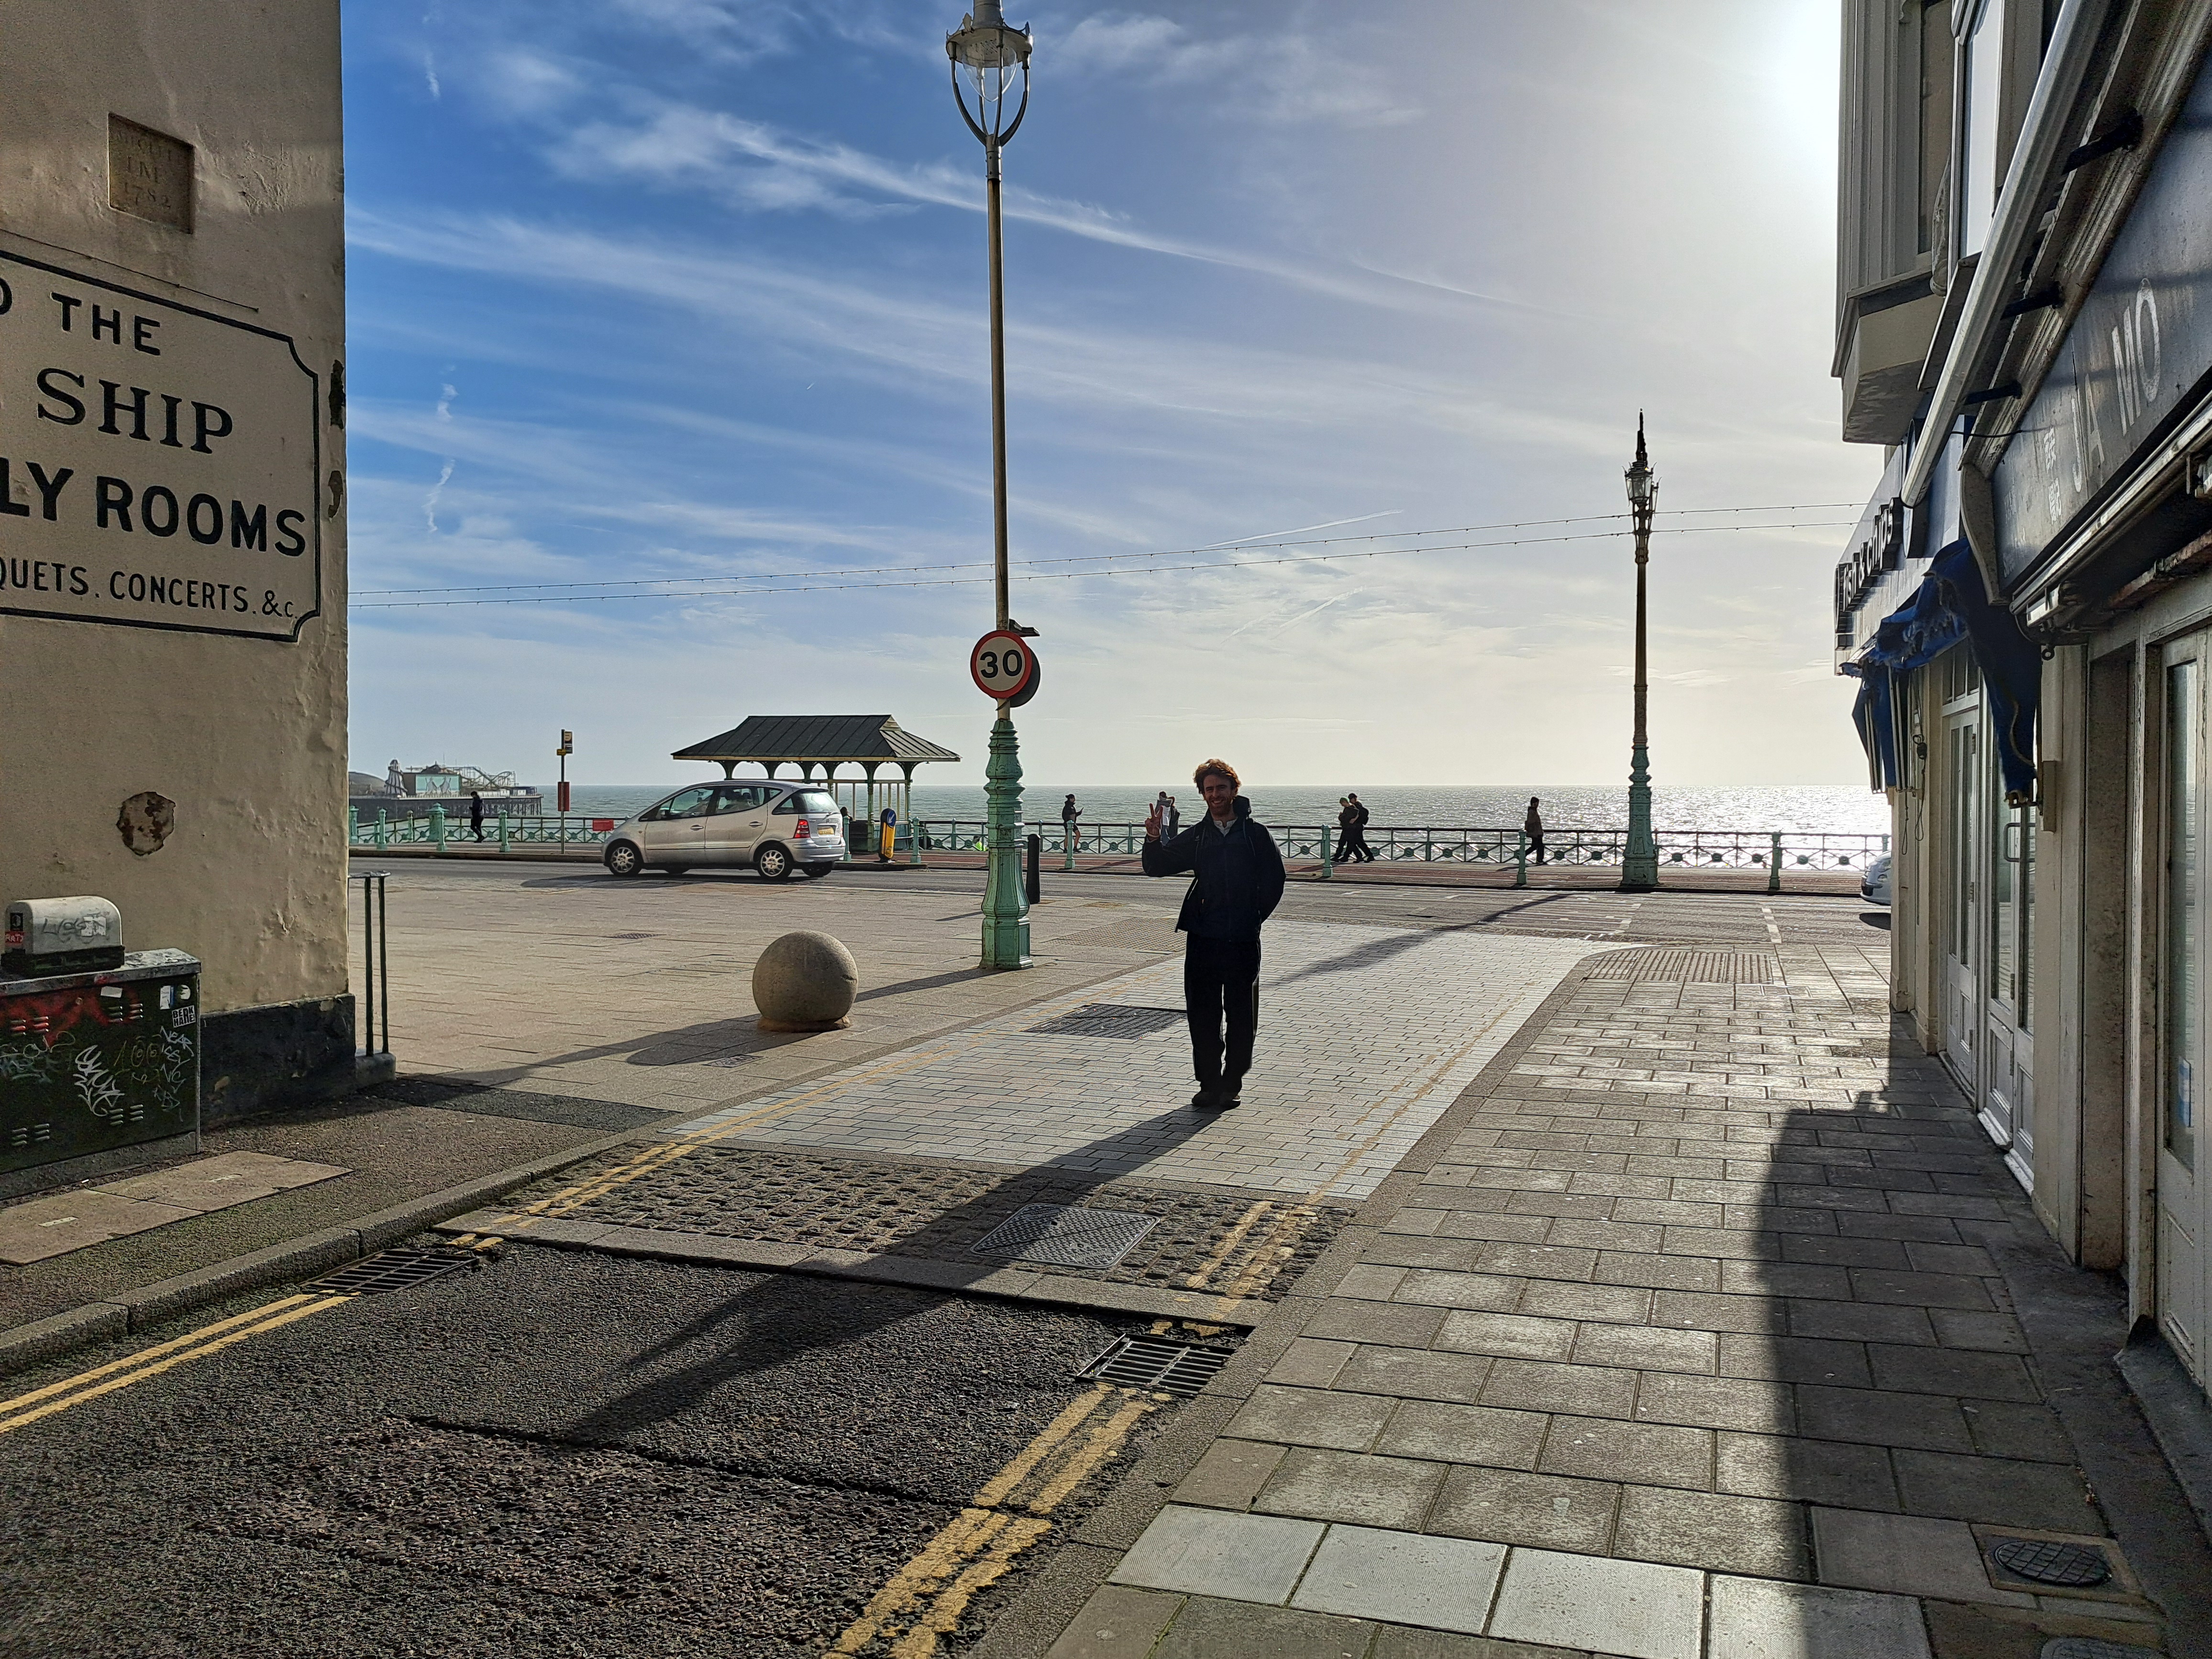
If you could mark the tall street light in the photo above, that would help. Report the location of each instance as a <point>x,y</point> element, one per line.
<point>989,52</point>
<point>1639,865</point>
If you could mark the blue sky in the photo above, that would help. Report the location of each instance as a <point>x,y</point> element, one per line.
<point>695,290</point>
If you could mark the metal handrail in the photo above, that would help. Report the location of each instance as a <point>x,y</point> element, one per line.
<point>1459,844</point>
<point>376,971</point>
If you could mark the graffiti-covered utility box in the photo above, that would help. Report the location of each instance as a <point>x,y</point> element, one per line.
<point>91,1062</point>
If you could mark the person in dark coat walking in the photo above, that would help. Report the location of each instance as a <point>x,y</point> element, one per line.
<point>1360,849</point>
<point>1532,828</point>
<point>476,812</point>
<point>1239,881</point>
<point>1347,828</point>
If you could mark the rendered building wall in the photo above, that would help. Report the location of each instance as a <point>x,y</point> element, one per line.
<point>246,735</point>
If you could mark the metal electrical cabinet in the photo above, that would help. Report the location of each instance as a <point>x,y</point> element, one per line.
<point>90,1062</point>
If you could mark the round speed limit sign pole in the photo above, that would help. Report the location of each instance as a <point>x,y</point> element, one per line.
<point>1005,669</point>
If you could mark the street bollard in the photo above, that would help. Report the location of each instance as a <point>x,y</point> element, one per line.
<point>438,827</point>
<point>502,832</point>
<point>1774,865</point>
<point>1036,867</point>
<point>1067,845</point>
<point>381,828</point>
<point>1325,861</point>
<point>352,825</point>
<point>913,844</point>
<point>1521,858</point>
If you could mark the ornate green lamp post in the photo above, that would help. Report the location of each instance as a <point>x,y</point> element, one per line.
<point>990,51</point>
<point>1639,865</point>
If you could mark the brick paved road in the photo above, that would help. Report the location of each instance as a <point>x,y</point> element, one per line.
<point>1367,1034</point>
<point>1686,1334</point>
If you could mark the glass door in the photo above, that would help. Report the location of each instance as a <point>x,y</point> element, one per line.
<point>2181,1191</point>
<point>1965,944</point>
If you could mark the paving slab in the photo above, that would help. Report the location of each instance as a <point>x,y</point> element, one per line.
<point>1442,1583</point>
<point>217,1183</point>
<point>1244,1558</point>
<point>63,1222</point>
<point>1629,1607</point>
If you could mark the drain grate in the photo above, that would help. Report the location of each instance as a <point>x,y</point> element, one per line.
<point>393,1270</point>
<point>1109,1019</point>
<point>2044,1561</point>
<point>1066,1236</point>
<point>1690,967</point>
<point>1153,1362</point>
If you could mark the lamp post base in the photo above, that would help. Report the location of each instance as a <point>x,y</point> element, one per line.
<point>1639,860</point>
<point>1005,900</point>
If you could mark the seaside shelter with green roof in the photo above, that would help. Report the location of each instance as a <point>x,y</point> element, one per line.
<point>826,742</point>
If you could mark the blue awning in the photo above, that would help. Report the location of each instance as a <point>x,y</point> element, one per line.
<point>1951,605</point>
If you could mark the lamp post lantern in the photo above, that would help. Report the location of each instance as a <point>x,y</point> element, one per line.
<point>987,53</point>
<point>1639,864</point>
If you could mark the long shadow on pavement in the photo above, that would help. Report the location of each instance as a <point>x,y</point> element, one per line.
<point>752,1331</point>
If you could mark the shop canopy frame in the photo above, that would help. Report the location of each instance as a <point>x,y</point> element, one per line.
<point>826,742</point>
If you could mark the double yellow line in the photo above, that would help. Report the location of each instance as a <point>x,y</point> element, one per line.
<point>925,1599</point>
<point>27,1408</point>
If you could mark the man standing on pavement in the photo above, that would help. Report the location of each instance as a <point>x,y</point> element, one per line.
<point>1239,881</point>
<point>1533,827</point>
<point>1069,812</point>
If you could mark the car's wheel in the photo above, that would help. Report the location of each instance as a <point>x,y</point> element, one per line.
<point>816,872</point>
<point>624,859</point>
<point>773,862</point>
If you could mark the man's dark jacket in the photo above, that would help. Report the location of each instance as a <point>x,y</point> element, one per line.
<point>1239,875</point>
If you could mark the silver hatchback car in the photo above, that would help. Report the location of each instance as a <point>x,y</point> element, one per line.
<point>774,827</point>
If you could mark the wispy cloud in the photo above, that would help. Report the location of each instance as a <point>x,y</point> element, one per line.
<point>916,338</point>
<point>1285,76</point>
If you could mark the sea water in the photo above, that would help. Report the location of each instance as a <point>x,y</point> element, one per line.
<point>1801,809</point>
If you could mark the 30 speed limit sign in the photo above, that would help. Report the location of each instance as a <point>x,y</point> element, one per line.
<point>1003,667</point>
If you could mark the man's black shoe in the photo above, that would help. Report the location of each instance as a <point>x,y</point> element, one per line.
<point>1204,1100</point>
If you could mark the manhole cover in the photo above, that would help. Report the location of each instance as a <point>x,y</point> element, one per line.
<point>1066,1235</point>
<point>2042,1561</point>
<point>393,1270</point>
<point>1152,1362</point>
<point>1109,1019</point>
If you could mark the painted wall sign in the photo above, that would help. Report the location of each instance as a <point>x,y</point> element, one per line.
<point>158,462</point>
<point>2141,343</point>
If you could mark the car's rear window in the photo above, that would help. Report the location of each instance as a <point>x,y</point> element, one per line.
<point>809,801</point>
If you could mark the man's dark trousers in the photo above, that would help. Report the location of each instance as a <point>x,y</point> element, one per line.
<point>1221,984</point>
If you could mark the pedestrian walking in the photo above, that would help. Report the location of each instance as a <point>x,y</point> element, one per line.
<point>1239,881</point>
<point>1533,827</point>
<point>476,812</point>
<point>1347,828</point>
<point>1360,846</point>
<point>1071,834</point>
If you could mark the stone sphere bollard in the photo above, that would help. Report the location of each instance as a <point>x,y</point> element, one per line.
<point>804,981</point>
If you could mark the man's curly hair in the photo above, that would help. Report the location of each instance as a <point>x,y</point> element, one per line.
<point>1223,766</point>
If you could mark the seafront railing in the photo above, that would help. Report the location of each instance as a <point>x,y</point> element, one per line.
<point>1741,849</point>
<point>434,830</point>
<point>1773,851</point>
